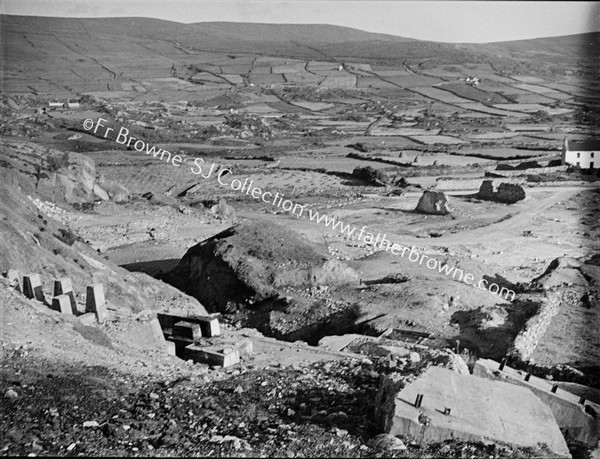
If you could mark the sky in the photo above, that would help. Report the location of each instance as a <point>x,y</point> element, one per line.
<point>445,20</point>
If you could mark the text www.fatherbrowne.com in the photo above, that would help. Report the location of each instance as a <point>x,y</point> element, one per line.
<point>247,187</point>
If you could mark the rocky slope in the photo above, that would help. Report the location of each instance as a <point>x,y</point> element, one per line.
<point>35,233</point>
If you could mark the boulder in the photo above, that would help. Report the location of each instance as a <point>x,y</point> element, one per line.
<point>433,203</point>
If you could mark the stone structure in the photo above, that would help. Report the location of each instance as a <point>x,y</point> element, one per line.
<point>579,421</point>
<point>507,193</point>
<point>64,286</point>
<point>443,405</point>
<point>94,302</point>
<point>32,287</point>
<point>434,203</point>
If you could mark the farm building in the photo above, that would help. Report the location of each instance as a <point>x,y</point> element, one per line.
<point>56,104</point>
<point>73,104</point>
<point>585,154</point>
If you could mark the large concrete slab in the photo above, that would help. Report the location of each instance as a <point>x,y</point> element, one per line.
<point>480,409</point>
<point>579,418</point>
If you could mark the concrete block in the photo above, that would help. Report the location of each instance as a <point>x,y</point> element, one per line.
<point>64,286</point>
<point>94,302</point>
<point>479,409</point>
<point>14,277</point>
<point>171,348</point>
<point>209,326</point>
<point>187,330</point>
<point>88,318</point>
<point>569,413</point>
<point>32,287</point>
<point>62,304</point>
<point>225,356</point>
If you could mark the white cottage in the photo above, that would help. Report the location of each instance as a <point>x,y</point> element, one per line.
<point>584,154</point>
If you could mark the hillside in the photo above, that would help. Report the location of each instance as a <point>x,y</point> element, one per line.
<point>72,55</point>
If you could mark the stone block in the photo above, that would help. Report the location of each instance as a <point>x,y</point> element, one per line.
<point>224,357</point>
<point>187,330</point>
<point>94,302</point>
<point>64,286</point>
<point>14,277</point>
<point>32,287</point>
<point>62,304</point>
<point>570,415</point>
<point>480,409</point>
<point>88,318</point>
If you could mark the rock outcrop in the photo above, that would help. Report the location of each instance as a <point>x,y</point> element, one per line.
<point>507,193</point>
<point>250,262</point>
<point>434,203</point>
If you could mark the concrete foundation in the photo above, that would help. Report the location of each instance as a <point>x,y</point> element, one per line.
<point>578,421</point>
<point>32,287</point>
<point>224,356</point>
<point>479,409</point>
<point>94,302</point>
<point>62,304</point>
<point>64,286</point>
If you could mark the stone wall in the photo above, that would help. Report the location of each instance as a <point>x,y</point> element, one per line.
<point>458,184</point>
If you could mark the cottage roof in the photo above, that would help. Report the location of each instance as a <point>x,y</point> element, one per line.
<point>584,145</point>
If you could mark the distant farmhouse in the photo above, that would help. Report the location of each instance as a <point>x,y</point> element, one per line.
<point>585,154</point>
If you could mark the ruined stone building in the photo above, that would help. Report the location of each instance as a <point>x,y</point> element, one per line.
<point>585,154</point>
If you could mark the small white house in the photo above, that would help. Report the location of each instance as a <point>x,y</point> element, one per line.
<point>56,104</point>
<point>585,154</point>
<point>72,104</point>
